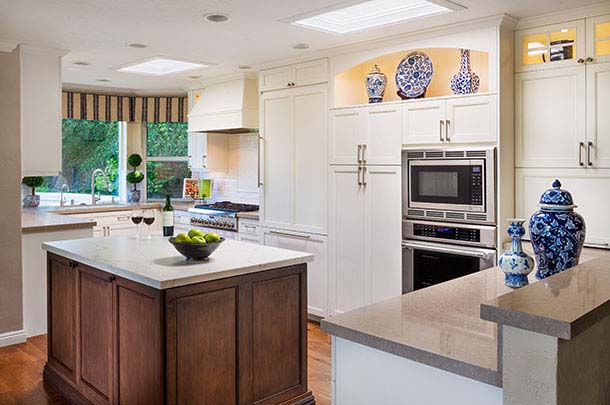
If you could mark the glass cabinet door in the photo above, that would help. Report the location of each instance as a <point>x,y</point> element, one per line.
<point>598,39</point>
<point>550,46</point>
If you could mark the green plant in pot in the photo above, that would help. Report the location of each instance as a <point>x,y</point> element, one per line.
<point>134,177</point>
<point>32,200</point>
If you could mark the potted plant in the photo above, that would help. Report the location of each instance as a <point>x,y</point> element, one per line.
<point>32,200</point>
<point>134,177</point>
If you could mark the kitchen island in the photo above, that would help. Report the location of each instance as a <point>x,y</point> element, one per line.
<point>130,321</point>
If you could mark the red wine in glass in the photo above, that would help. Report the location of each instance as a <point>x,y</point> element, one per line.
<point>149,220</point>
<point>136,220</point>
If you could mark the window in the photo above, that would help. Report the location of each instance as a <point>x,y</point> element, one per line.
<point>86,146</point>
<point>166,158</point>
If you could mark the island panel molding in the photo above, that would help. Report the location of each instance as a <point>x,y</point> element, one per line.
<point>233,340</point>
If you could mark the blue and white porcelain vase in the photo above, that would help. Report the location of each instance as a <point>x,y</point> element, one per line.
<point>515,263</point>
<point>465,81</point>
<point>375,82</point>
<point>557,232</point>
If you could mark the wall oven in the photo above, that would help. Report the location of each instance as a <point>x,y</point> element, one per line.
<point>449,184</point>
<point>435,252</point>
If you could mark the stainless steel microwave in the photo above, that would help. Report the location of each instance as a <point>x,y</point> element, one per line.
<point>455,185</point>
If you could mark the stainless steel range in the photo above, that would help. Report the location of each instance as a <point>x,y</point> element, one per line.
<point>219,215</point>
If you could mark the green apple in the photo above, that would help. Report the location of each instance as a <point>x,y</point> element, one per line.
<point>212,237</point>
<point>182,237</point>
<point>195,232</point>
<point>198,239</point>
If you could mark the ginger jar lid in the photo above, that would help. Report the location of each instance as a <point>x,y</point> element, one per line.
<point>556,198</point>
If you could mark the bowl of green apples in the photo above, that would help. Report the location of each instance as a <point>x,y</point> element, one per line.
<point>196,245</point>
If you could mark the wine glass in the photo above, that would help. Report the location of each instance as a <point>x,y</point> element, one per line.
<point>136,218</point>
<point>149,219</point>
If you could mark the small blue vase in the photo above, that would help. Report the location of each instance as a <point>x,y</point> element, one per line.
<point>557,232</point>
<point>465,81</point>
<point>375,82</point>
<point>515,263</point>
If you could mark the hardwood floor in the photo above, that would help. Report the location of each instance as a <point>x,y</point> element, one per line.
<point>21,371</point>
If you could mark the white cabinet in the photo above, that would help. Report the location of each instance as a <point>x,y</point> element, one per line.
<point>317,291</point>
<point>367,135</point>
<point>598,38</point>
<point>249,231</point>
<point>301,74</point>
<point>598,115</point>
<point>365,243</point>
<point>208,151</point>
<point>590,190</point>
<point>41,143</point>
<point>466,119</point>
<point>293,158</point>
<point>115,223</point>
<point>550,118</point>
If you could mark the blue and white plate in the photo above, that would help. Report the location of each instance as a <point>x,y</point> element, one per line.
<point>414,74</point>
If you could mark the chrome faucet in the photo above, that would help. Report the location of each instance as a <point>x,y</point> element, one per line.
<point>62,199</point>
<point>95,199</point>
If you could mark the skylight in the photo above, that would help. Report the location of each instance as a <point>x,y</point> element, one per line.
<point>375,13</point>
<point>161,66</point>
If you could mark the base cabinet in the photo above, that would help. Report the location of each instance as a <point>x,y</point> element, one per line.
<point>238,340</point>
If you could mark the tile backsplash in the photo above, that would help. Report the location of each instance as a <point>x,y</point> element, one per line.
<point>240,183</point>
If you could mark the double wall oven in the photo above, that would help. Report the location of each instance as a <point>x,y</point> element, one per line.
<point>448,214</point>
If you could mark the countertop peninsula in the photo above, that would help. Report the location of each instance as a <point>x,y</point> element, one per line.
<point>157,264</point>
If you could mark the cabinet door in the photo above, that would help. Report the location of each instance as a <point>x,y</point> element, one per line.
<point>310,114</point>
<point>598,115</point>
<point>550,46</point>
<point>598,38</point>
<point>383,135</point>
<point>278,157</point>
<point>593,206</point>
<point>317,277</point>
<point>383,233</point>
<point>312,72</point>
<point>471,119</point>
<point>276,78</point>
<point>95,325</point>
<point>346,136</point>
<point>550,118</point>
<point>208,151</point>
<point>423,122</point>
<point>347,264</point>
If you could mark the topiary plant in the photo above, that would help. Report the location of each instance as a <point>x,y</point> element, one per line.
<point>33,182</point>
<point>134,177</point>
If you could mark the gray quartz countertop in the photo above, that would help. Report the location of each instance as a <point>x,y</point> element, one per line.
<point>441,326</point>
<point>157,264</point>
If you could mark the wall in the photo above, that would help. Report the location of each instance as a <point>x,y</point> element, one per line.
<point>11,317</point>
<point>239,183</point>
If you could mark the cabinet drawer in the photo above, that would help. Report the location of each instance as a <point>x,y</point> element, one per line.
<point>249,227</point>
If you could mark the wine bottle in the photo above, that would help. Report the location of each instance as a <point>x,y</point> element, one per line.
<point>168,217</point>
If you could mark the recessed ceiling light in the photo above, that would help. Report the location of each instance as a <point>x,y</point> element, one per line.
<point>216,17</point>
<point>300,46</point>
<point>80,63</point>
<point>244,67</point>
<point>374,13</point>
<point>136,45</point>
<point>102,80</point>
<point>161,66</point>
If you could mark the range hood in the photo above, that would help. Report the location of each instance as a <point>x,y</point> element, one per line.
<point>229,106</point>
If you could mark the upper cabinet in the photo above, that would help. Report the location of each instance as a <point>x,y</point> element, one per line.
<point>457,120</point>
<point>40,111</point>
<point>598,38</point>
<point>301,74</point>
<point>208,151</point>
<point>598,115</point>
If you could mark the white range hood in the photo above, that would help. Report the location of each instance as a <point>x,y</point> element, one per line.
<point>227,106</point>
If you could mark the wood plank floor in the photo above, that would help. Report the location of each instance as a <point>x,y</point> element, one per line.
<point>21,371</point>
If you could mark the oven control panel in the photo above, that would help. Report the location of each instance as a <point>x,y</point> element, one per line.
<point>447,232</point>
<point>476,183</point>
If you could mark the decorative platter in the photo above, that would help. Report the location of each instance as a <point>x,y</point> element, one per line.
<point>414,74</point>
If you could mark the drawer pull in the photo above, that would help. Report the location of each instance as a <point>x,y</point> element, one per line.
<point>290,235</point>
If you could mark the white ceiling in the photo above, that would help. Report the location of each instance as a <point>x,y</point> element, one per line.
<point>97,31</point>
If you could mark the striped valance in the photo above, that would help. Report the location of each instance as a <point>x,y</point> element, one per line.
<point>87,106</point>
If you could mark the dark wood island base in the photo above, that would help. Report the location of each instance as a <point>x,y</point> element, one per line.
<point>236,340</point>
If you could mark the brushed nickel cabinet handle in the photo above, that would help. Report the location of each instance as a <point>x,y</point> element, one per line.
<point>580,60</point>
<point>589,153</point>
<point>363,154</point>
<point>290,235</point>
<point>358,154</point>
<point>364,183</point>
<point>359,173</point>
<point>589,59</point>
<point>440,130</point>
<point>447,122</point>
<point>581,147</point>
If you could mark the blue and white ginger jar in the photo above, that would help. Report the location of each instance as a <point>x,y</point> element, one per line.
<point>465,81</point>
<point>557,232</point>
<point>375,82</point>
<point>515,263</point>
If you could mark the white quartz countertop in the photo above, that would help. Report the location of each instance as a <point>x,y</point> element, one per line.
<point>157,264</point>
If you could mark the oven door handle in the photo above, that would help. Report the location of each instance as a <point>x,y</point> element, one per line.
<point>464,251</point>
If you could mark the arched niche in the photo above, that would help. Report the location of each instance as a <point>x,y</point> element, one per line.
<point>349,88</point>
